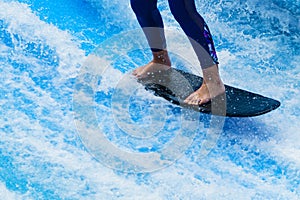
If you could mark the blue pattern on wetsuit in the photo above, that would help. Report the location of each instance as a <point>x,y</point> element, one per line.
<point>210,44</point>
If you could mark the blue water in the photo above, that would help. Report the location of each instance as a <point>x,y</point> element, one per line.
<point>43,48</point>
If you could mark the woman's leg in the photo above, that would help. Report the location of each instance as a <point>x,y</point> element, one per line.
<point>195,28</point>
<point>151,22</point>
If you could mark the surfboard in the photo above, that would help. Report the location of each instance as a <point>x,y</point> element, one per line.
<point>175,85</point>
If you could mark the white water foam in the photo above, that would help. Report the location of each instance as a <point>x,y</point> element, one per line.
<point>46,151</point>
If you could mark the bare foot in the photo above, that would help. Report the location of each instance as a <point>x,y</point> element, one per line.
<point>212,86</point>
<point>160,62</point>
<point>150,68</point>
<point>204,95</point>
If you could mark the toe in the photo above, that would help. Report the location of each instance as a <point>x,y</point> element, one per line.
<point>189,98</point>
<point>196,101</point>
<point>193,99</point>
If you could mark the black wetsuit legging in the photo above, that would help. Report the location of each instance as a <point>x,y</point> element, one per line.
<point>185,13</point>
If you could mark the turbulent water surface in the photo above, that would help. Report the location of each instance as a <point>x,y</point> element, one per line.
<point>44,46</point>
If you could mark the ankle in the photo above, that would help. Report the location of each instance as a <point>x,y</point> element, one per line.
<point>161,57</point>
<point>211,75</point>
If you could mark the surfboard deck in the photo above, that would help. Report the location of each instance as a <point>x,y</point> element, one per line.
<point>175,85</point>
